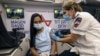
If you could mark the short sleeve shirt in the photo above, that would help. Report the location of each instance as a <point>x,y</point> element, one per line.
<point>88,28</point>
<point>43,41</point>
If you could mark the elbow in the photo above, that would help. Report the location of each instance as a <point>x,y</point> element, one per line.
<point>73,38</point>
<point>70,41</point>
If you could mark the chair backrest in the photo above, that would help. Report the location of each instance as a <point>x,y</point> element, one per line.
<point>7,39</point>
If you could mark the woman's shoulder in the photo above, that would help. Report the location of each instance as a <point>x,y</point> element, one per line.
<point>47,28</point>
<point>85,14</point>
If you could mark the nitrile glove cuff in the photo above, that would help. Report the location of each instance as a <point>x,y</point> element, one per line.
<point>54,37</point>
<point>59,34</point>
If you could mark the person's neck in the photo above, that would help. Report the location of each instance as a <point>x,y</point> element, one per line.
<point>74,15</point>
<point>40,30</point>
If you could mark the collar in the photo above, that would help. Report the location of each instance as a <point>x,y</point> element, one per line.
<point>77,14</point>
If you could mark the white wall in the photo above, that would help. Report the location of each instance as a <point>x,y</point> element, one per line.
<point>46,11</point>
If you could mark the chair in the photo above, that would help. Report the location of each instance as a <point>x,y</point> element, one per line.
<point>9,39</point>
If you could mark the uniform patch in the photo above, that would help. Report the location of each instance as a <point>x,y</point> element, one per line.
<point>77,22</point>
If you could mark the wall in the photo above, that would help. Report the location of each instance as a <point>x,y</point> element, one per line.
<point>46,11</point>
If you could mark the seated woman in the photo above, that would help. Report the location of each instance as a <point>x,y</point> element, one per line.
<point>40,42</point>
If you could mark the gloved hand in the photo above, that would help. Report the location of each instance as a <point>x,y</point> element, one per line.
<point>58,33</point>
<point>54,37</point>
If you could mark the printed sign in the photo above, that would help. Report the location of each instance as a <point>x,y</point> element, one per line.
<point>18,24</point>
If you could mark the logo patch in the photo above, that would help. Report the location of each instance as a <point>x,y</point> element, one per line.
<point>77,22</point>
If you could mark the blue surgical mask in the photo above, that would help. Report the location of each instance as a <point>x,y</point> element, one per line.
<point>66,17</point>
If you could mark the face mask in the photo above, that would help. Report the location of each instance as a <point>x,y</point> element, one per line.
<point>66,17</point>
<point>38,26</point>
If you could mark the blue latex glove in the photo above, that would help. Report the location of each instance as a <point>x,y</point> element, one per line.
<point>54,37</point>
<point>58,33</point>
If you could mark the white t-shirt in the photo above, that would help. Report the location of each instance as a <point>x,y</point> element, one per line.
<point>89,30</point>
<point>43,41</point>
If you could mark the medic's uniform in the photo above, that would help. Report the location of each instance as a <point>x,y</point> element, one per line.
<point>85,25</point>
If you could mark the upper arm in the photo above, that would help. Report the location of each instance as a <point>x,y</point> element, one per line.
<point>50,32</point>
<point>52,41</point>
<point>81,25</point>
<point>74,37</point>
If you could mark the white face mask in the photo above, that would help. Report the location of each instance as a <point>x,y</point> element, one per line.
<point>39,26</point>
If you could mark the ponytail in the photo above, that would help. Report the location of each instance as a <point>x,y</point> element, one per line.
<point>70,5</point>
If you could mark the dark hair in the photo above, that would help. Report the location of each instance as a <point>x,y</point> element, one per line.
<point>70,5</point>
<point>33,31</point>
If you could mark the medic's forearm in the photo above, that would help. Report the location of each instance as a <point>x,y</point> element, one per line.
<point>69,38</point>
<point>66,39</point>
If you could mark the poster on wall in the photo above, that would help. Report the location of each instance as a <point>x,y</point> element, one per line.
<point>18,24</point>
<point>15,18</point>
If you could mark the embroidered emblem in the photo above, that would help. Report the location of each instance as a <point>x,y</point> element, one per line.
<point>77,22</point>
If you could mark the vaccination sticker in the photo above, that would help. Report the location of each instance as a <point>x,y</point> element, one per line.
<point>77,22</point>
